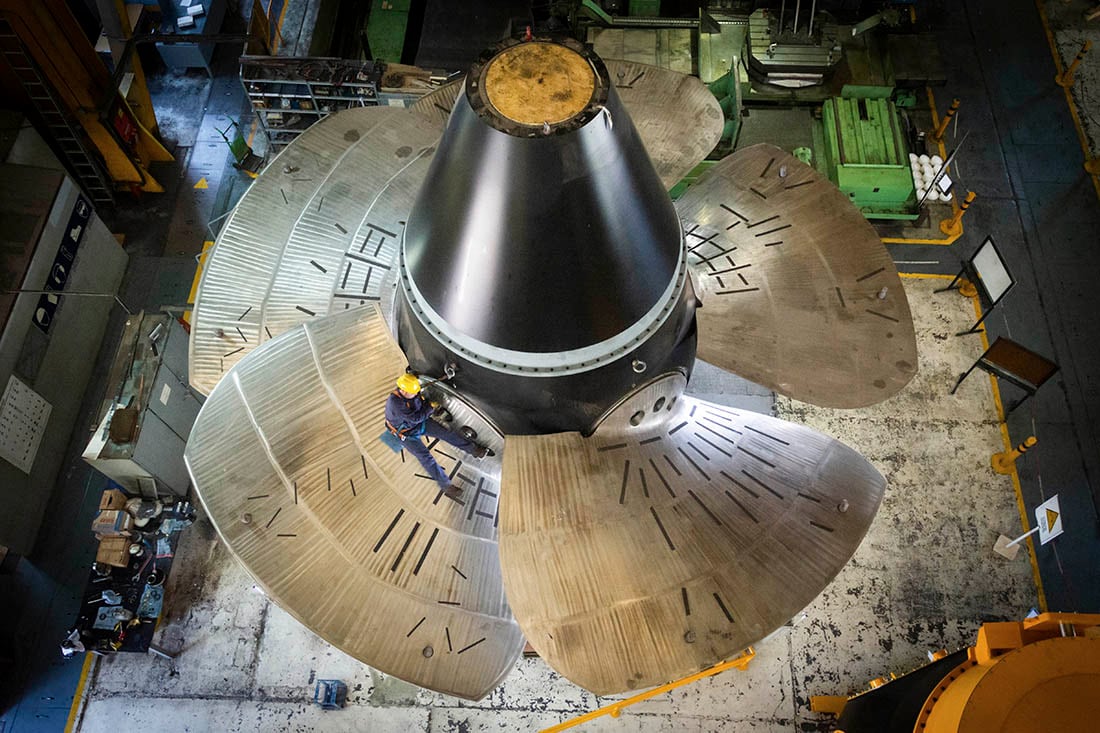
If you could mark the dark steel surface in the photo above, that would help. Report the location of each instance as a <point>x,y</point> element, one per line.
<point>526,404</point>
<point>574,231</point>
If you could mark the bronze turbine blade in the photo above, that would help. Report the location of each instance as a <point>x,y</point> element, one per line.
<point>339,530</point>
<point>677,117</point>
<point>680,533</point>
<point>317,232</point>
<point>798,293</point>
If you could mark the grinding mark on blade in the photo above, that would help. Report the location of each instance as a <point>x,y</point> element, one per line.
<point>746,451</point>
<point>739,216</point>
<point>713,445</point>
<point>773,231</point>
<point>773,217</point>
<point>626,475</point>
<point>766,435</point>
<point>729,440</point>
<point>706,509</point>
<point>662,477</point>
<point>693,463</point>
<point>723,607</point>
<point>386,534</point>
<point>741,506</point>
<point>741,486</point>
<point>471,646</point>
<point>762,484</point>
<point>661,527</point>
<point>414,628</point>
<point>408,541</point>
<point>882,315</point>
<point>424,555</point>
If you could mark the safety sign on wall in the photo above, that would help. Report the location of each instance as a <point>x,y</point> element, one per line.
<point>23,417</point>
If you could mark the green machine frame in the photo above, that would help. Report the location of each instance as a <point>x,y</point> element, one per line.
<point>867,157</point>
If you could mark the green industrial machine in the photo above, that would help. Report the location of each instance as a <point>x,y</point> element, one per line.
<point>867,157</point>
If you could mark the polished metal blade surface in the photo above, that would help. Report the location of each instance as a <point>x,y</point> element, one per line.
<point>677,117</point>
<point>436,105</point>
<point>318,231</point>
<point>798,292</point>
<point>341,532</point>
<point>680,533</point>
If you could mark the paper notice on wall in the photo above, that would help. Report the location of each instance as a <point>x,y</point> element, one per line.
<point>23,418</point>
<point>165,393</point>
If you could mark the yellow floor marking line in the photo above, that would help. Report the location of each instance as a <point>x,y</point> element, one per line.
<point>741,662</point>
<point>78,695</point>
<point>1068,91</point>
<point>1007,441</point>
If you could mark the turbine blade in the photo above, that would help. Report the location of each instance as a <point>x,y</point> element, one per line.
<point>798,293</point>
<point>647,552</point>
<point>342,532</point>
<point>677,117</point>
<point>317,232</point>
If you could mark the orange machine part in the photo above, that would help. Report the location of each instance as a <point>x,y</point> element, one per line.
<point>1021,677</point>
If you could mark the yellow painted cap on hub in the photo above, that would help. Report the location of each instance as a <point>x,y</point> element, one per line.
<point>535,83</point>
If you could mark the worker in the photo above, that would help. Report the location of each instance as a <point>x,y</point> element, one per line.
<point>409,416</point>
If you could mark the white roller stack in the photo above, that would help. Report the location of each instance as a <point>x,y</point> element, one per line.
<point>925,169</point>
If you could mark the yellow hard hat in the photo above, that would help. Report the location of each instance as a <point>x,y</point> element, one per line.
<point>408,383</point>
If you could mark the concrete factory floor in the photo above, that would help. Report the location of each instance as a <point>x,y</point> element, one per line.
<point>923,579</point>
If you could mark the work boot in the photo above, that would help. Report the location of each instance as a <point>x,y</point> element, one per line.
<point>453,491</point>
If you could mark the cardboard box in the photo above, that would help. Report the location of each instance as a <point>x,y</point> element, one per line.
<point>112,523</point>
<point>114,551</point>
<point>113,499</point>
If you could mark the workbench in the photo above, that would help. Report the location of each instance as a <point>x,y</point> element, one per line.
<point>121,605</point>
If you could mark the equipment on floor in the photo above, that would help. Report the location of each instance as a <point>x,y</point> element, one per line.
<point>867,157</point>
<point>520,227</point>
<point>1039,674</point>
<point>124,593</point>
<point>243,157</point>
<point>330,694</point>
<point>1015,364</point>
<point>987,274</point>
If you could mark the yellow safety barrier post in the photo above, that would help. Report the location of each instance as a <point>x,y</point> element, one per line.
<point>1065,79</point>
<point>938,133</point>
<point>740,662</point>
<point>1004,462</point>
<point>953,227</point>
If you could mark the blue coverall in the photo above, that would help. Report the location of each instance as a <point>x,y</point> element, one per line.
<point>411,416</point>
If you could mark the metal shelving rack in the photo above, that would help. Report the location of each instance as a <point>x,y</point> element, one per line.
<point>290,94</point>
